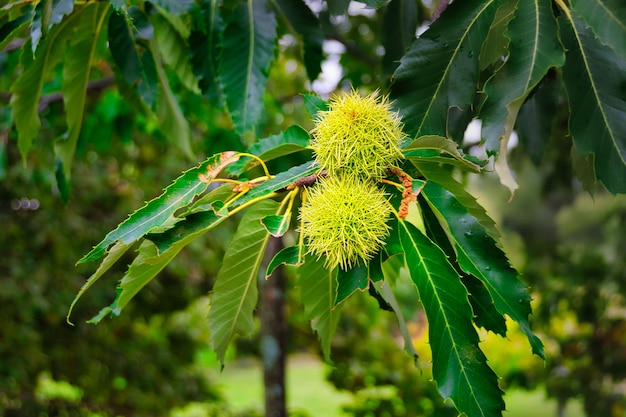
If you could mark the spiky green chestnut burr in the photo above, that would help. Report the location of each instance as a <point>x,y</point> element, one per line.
<point>344,219</point>
<point>360,135</point>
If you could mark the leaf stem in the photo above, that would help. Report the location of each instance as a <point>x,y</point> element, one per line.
<point>259,160</point>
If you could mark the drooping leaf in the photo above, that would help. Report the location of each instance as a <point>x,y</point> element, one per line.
<point>303,21</point>
<point>441,68</point>
<point>607,18</point>
<point>235,293</point>
<point>386,292</point>
<point>160,210</point>
<point>47,15</point>
<point>478,255</point>
<point>294,139</point>
<point>248,50</point>
<point>76,70</point>
<point>113,256</point>
<point>441,150</point>
<point>171,119</point>
<point>399,27</point>
<point>348,282</point>
<point>138,69</point>
<point>459,366</point>
<point>595,77</point>
<point>204,43</point>
<point>174,52</point>
<point>495,46</point>
<point>485,313</point>
<point>536,120</point>
<point>290,255</point>
<point>26,90</point>
<point>534,49</point>
<point>175,7</point>
<point>318,290</point>
<point>139,274</point>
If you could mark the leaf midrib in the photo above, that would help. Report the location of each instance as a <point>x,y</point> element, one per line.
<point>594,88</point>
<point>447,322</point>
<point>449,65</point>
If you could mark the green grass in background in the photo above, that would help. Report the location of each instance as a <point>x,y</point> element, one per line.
<point>308,390</point>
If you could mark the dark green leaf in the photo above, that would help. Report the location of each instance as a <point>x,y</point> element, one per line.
<point>355,278</point>
<point>248,50</point>
<point>205,47</point>
<point>536,119</point>
<point>533,50</point>
<point>122,47</point>
<point>441,68</point>
<point>338,7</point>
<point>595,82</point>
<point>174,51</point>
<point>303,21</point>
<point>485,313</point>
<point>443,177</point>
<point>291,255</point>
<point>478,255</point>
<point>496,44</point>
<point>318,290</point>
<point>235,292</point>
<point>399,27</point>
<point>459,366</point>
<point>294,139</point>
<point>607,18</point>
<point>159,211</point>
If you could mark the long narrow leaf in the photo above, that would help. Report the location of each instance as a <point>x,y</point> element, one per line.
<point>441,68</point>
<point>76,70</point>
<point>534,49</point>
<point>318,290</point>
<point>26,91</point>
<point>459,366</point>
<point>607,18</point>
<point>595,77</point>
<point>139,274</point>
<point>248,50</point>
<point>478,255</point>
<point>113,256</point>
<point>235,292</point>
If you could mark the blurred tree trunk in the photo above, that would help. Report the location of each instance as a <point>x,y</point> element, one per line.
<point>273,334</point>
